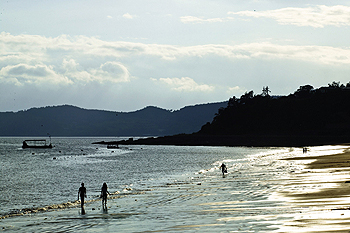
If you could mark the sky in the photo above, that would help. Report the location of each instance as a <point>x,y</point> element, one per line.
<point>126,55</point>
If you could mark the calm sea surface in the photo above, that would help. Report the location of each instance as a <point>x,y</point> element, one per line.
<point>155,188</point>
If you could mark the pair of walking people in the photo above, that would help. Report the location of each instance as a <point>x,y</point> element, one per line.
<point>82,194</point>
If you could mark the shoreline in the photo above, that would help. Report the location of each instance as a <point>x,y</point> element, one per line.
<point>341,160</point>
<point>331,164</point>
<point>319,191</point>
<point>302,193</point>
<point>236,140</point>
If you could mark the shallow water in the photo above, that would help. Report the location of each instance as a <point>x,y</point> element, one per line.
<point>155,188</point>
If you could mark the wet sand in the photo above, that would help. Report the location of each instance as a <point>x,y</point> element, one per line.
<point>331,164</point>
<point>321,192</point>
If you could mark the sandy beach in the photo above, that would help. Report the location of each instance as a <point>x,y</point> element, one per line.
<point>321,191</point>
<point>333,165</point>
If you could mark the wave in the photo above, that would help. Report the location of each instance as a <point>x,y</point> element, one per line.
<point>66,205</point>
<point>25,211</point>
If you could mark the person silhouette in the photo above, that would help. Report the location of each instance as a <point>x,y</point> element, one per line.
<point>223,169</point>
<point>82,195</point>
<point>104,192</point>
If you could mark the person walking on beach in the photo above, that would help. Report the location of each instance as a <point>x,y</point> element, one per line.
<point>104,193</point>
<point>223,169</point>
<point>82,195</point>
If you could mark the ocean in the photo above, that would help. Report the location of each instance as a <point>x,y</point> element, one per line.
<point>153,188</point>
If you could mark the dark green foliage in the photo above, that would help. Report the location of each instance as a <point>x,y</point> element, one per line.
<point>324,111</point>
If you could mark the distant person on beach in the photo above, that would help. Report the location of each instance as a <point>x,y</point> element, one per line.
<point>104,193</point>
<point>223,169</point>
<point>82,194</point>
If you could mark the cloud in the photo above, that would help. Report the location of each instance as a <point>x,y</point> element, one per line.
<point>38,74</point>
<point>23,69</point>
<point>128,16</point>
<point>114,72</point>
<point>86,71</point>
<point>35,59</point>
<point>111,72</point>
<point>193,19</point>
<point>316,16</point>
<point>185,84</point>
<point>80,60</point>
<point>235,89</point>
<point>38,49</point>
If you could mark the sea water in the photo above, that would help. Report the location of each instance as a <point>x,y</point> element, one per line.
<point>153,188</point>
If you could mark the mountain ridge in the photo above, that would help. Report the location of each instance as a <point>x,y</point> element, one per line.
<point>69,120</point>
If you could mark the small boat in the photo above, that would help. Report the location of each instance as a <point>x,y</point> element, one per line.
<point>38,143</point>
<point>112,147</point>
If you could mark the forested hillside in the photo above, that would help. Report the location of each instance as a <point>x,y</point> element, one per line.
<point>306,117</point>
<point>308,111</point>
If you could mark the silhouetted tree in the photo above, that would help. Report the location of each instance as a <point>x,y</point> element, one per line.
<point>334,84</point>
<point>246,97</point>
<point>304,91</point>
<point>232,101</point>
<point>265,91</point>
<point>306,88</point>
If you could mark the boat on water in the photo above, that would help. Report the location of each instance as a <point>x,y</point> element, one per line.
<point>36,143</point>
<point>112,146</point>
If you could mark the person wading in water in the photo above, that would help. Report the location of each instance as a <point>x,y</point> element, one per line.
<point>104,193</point>
<point>223,169</point>
<point>82,195</point>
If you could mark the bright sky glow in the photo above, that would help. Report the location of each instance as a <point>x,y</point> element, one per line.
<point>126,55</point>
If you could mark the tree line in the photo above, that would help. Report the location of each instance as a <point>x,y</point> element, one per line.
<point>307,111</point>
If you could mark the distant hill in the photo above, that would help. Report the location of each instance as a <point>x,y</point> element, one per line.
<point>308,111</point>
<point>67,120</point>
<point>306,117</point>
